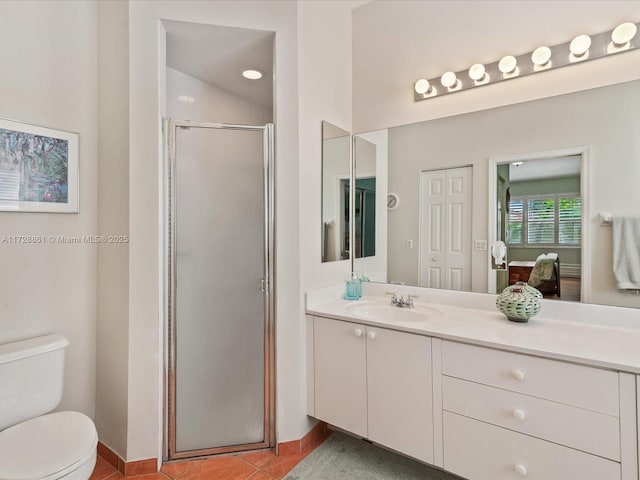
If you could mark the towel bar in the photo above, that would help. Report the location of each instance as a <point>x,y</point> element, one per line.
<point>606,219</point>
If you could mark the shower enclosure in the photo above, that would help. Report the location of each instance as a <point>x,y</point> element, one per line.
<point>219,305</point>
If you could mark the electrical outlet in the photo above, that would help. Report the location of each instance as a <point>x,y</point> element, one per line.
<point>409,243</point>
<point>481,245</point>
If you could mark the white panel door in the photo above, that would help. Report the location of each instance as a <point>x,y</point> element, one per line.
<point>445,229</point>
<point>400,392</point>
<point>432,233</point>
<point>340,374</point>
<point>458,229</point>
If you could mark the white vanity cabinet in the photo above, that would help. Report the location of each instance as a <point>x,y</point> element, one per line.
<point>508,415</point>
<point>374,382</point>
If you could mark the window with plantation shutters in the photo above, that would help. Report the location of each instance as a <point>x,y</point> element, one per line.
<point>515,222</point>
<point>545,220</point>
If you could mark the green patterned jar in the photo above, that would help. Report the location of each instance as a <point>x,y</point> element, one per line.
<point>519,302</point>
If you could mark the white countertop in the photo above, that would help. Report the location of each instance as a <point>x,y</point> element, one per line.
<point>606,337</point>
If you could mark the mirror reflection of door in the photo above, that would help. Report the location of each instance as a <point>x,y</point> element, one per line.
<point>336,165</point>
<point>445,228</point>
<point>365,198</point>
<point>544,224</point>
<point>365,217</point>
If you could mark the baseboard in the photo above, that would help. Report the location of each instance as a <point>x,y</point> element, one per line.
<point>313,437</point>
<point>136,467</point>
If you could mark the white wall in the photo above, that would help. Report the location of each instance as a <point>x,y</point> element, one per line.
<point>49,78</point>
<point>324,90</point>
<point>324,55</point>
<point>145,400</point>
<point>112,348</point>
<point>211,104</point>
<point>397,42</point>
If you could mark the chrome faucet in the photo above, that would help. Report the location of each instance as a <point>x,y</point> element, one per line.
<point>400,302</point>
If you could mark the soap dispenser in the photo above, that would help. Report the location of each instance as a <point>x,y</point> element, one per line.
<point>354,291</point>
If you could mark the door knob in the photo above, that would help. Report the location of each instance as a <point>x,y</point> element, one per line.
<point>371,335</point>
<point>357,332</point>
<point>518,375</point>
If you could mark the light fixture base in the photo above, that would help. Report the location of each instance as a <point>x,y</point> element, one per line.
<point>601,46</point>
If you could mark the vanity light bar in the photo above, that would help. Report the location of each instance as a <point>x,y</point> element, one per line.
<point>623,38</point>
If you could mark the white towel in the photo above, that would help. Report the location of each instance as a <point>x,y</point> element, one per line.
<point>626,252</point>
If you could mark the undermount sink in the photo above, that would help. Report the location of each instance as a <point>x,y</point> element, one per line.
<point>384,311</point>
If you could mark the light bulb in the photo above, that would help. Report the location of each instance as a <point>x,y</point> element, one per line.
<point>476,72</point>
<point>508,64</point>
<point>624,33</point>
<point>252,74</point>
<point>448,79</point>
<point>541,56</point>
<point>422,86</point>
<point>580,45</point>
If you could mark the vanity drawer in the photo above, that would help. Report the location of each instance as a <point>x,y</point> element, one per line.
<point>585,387</point>
<point>584,430</point>
<point>480,451</point>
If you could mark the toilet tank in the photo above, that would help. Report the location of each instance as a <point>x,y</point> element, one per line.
<point>31,377</point>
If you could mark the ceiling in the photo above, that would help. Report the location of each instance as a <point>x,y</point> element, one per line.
<point>544,168</point>
<point>218,55</point>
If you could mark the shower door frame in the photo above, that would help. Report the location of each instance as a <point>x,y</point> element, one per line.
<point>169,128</point>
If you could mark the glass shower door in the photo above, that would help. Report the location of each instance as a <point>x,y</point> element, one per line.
<point>219,322</point>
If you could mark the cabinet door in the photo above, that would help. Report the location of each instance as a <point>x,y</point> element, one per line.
<point>400,392</point>
<point>340,374</point>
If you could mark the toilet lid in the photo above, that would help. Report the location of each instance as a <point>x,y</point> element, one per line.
<point>44,445</point>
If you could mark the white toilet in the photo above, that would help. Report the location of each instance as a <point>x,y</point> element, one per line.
<point>34,444</point>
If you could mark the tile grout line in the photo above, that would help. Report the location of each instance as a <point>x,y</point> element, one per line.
<point>248,463</point>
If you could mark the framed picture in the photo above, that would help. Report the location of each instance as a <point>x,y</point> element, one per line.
<point>38,169</point>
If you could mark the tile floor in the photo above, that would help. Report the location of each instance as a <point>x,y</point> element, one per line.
<point>263,465</point>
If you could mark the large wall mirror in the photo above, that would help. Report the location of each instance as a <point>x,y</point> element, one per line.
<point>366,225</point>
<point>561,160</point>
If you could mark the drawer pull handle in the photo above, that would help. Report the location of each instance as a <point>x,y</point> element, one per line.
<point>357,332</point>
<point>519,414</point>
<point>518,375</point>
<point>371,335</point>
<point>521,470</point>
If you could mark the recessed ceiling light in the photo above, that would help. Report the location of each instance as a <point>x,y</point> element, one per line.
<point>252,74</point>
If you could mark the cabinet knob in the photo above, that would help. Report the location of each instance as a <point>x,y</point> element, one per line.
<point>357,332</point>
<point>519,414</point>
<point>371,335</point>
<point>521,470</point>
<point>518,375</point>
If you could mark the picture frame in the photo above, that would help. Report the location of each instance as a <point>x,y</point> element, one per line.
<point>39,170</point>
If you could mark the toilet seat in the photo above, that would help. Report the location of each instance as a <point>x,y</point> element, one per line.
<point>47,447</point>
